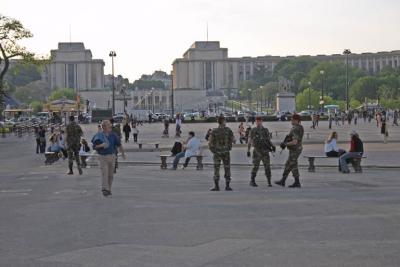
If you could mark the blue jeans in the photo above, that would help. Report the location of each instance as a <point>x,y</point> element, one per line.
<point>178,157</point>
<point>346,156</point>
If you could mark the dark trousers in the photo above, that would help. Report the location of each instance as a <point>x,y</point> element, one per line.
<point>37,146</point>
<point>126,137</point>
<point>135,138</point>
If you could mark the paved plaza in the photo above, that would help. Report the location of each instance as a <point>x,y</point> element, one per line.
<point>170,218</point>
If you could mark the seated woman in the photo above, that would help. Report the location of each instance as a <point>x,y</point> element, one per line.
<point>331,148</point>
<point>54,144</point>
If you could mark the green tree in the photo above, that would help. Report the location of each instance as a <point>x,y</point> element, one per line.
<point>311,97</point>
<point>11,33</point>
<point>68,93</point>
<point>22,74</point>
<point>365,87</point>
<point>37,90</point>
<point>261,75</point>
<point>146,84</point>
<point>244,89</point>
<point>37,106</point>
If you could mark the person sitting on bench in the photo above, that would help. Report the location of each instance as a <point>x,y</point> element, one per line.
<point>191,149</point>
<point>356,151</point>
<point>331,148</point>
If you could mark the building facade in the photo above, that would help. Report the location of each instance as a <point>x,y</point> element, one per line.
<point>72,66</point>
<point>205,66</point>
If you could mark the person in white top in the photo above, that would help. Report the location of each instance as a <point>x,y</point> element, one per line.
<point>331,148</point>
<point>192,148</point>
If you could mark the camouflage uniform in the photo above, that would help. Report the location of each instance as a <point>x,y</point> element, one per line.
<point>74,134</point>
<point>291,164</point>
<point>260,139</point>
<point>117,130</point>
<point>220,144</point>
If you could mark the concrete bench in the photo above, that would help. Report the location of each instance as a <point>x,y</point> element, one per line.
<point>355,162</point>
<point>276,134</point>
<point>165,156</point>
<point>156,145</point>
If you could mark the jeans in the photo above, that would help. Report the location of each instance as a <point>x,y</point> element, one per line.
<point>178,157</point>
<point>343,160</point>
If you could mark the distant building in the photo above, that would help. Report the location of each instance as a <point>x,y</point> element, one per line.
<point>205,68</point>
<point>72,66</point>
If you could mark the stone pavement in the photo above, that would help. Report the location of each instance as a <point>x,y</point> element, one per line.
<point>169,218</point>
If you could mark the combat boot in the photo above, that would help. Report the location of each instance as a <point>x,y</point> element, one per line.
<point>80,170</point>
<point>253,181</point>
<point>227,187</point>
<point>70,169</point>
<point>216,186</point>
<point>269,181</point>
<point>296,183</point>
<point>281,182</point>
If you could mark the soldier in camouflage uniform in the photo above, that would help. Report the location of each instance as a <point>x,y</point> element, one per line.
<point>295,147</point>
<point>261,141</point>
<point>116,128</point>
<point>220,144</point>
<point>73,140</point>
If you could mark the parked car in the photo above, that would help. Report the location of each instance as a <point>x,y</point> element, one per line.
<point>118,118</point>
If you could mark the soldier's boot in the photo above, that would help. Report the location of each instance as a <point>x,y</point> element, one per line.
<point>281,182</point>
<point>269,181</point>
<point>70,169</point>
<point>296,183</point>
<point>253,181</point>
<point>227,187</point>
<point>216,186</point>
<point>80,170</point>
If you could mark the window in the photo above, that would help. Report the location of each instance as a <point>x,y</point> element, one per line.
<point>71,76</point>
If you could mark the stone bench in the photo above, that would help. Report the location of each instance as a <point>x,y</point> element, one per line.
<point>165,156</point>
<point>276,134</point>
<point>156,145</point>
<point>355,162</point>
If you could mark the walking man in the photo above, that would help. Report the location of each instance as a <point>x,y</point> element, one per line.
<point>106,144</point>
<point>261,141</point>
<point>220,144</point>
<point>73,142</point>
<point>294,145</point>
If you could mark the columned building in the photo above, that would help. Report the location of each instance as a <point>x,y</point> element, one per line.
<point>205,70</point>
<point>72,66</point>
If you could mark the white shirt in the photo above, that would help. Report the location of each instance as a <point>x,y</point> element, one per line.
<point>192,147</point>
<point>332,146</point>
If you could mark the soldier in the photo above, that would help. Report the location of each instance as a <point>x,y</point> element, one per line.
<point>116,128</point>
<point>220,143</point>
<point>73,142</point>
<point>261,141</point>
<point>293,142</point>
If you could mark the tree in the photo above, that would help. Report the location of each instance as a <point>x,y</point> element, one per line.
<point>244,89</point>
<point>307,97</point>
<point>261,75</point>
<point>21,74</point>
<point>68,93</point>
<point>37,106</point>
<point>365,87</point>
<point>11,33</point>
<point>37,90</point>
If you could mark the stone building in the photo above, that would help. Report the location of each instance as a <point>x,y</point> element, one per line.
<point>72,66</point>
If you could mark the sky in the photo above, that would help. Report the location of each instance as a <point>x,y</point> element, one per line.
<point>148,35</point>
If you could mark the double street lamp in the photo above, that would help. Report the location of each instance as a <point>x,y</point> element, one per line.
<point>112,55</point>
<point>347,52</point>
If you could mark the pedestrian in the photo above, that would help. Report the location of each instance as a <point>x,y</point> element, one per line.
<point>330,119</point>
<point>42,139</point>
<point>331,149</point>
<point>150,117</point>
<point>220,144</point>
<point>260,139</point>
<point>178,124</point>
<point>207,137</point>
<point>36,131</point>
<point>242,133</point>
<point>84,152</point>
<point>127,131</point>
<point>106,143</point>
<point>61,138</point>
<point>166,128</point>
<point>356,151</point>
<point>395,117</point>
<point>191,148</point>
<point>294,144</point>
<point>247,134</point>
<point>73,140</point>
<point>384,130</point>
<point>135,133</point>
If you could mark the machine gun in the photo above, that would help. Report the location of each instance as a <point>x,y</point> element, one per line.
<point>283,145</point>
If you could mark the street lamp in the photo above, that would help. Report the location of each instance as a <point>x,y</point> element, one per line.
<point>152,99</point>
<point>347,52</point>
<point>309,96</point>
<point>112,55</point>
<point>321,102</point>
<point>123,93</point>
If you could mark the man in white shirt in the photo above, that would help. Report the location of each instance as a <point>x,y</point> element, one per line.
<point>192,148</point>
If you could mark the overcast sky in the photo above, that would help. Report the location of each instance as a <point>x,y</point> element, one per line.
<point>148,35</point>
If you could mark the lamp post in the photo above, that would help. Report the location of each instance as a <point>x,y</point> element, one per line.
<point>112,55</point>
<point>152,99</point>
<point>249,90</point>
<point>309,96</point>
<point>172,95</point>
<point>347,52</point>
<point>321,102</point>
